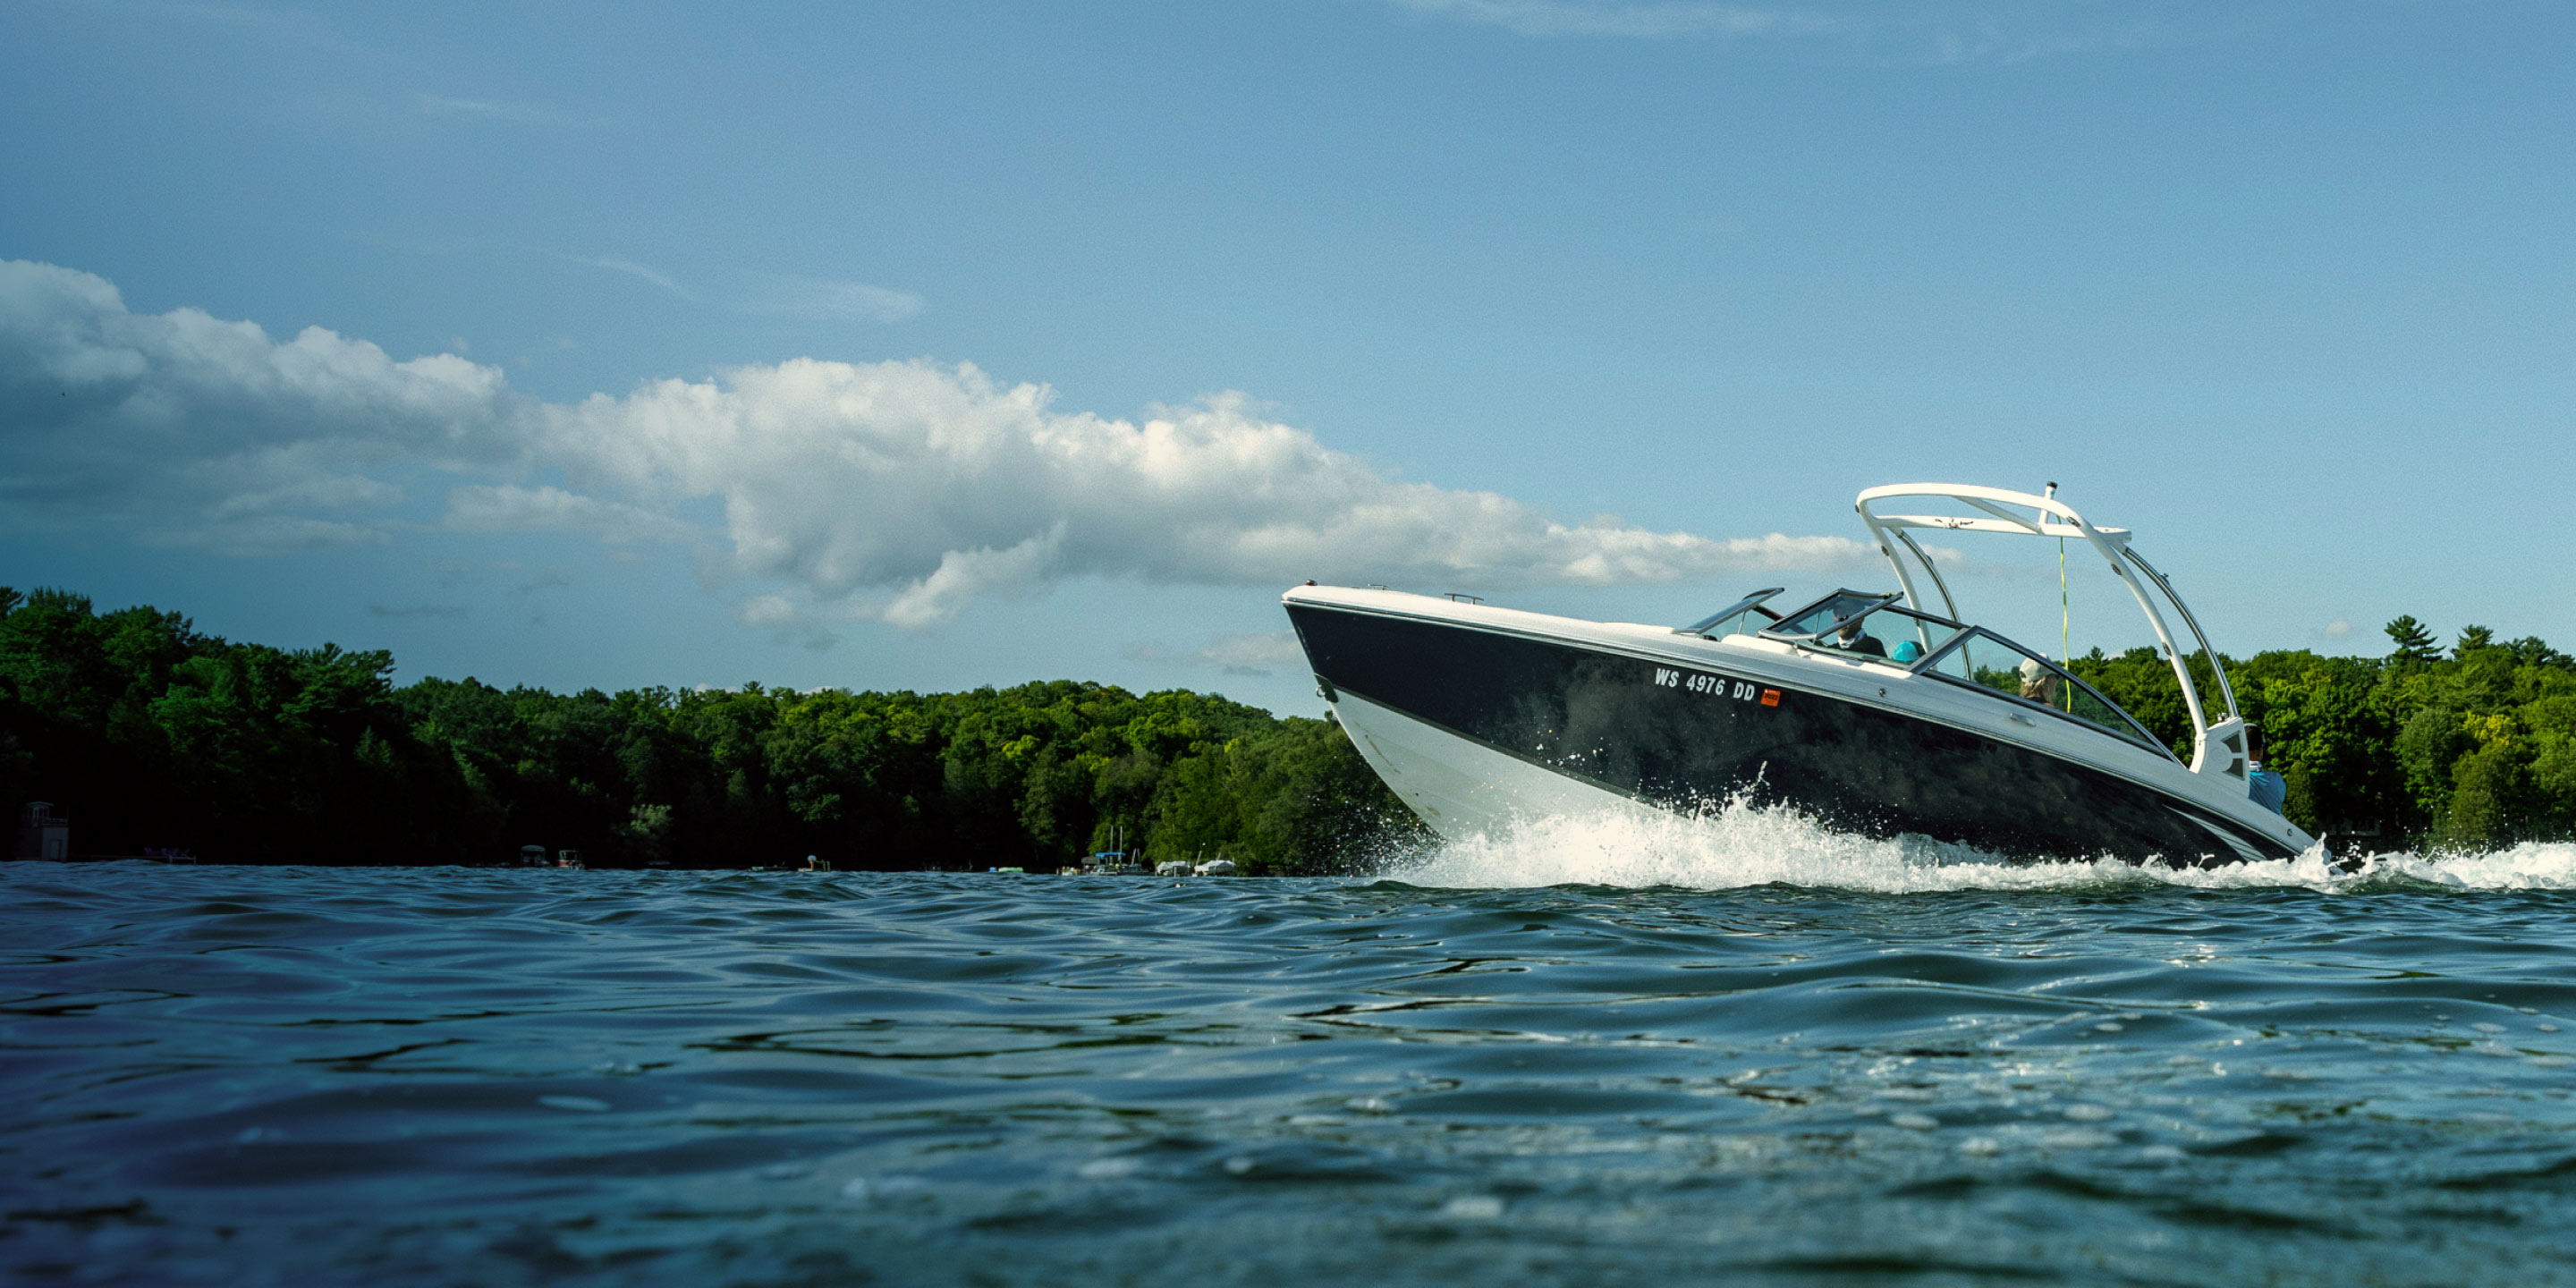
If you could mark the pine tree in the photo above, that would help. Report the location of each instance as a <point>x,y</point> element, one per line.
<point>2414,643</point>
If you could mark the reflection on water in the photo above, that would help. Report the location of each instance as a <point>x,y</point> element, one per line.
<point>1888,1071</point>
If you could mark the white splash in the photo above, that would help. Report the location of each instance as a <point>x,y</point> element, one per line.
<point>1743,845</point>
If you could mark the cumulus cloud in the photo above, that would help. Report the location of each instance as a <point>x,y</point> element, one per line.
<point>944,483</point>
<point>197,431</point>
<point>893,490</point>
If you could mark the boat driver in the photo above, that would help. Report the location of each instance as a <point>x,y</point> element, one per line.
<point>2038,683</point>
<point>1852,639</point>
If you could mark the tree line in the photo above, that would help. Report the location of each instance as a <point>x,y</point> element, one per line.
<point>151,736</point>
<point>2467,747</point>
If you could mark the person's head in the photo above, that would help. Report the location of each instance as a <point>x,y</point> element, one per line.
<point>1850,631</point>
<point>2038,683</point>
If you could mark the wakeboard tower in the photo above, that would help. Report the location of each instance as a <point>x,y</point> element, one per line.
<point>1879,713</point>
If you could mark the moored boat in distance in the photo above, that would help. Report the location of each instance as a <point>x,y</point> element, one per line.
<point>1885,714</point>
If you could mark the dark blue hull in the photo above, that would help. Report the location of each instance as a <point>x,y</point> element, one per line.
<point>1607,719</point>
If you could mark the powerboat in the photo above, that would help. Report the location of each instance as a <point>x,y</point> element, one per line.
<point>1880,713</point>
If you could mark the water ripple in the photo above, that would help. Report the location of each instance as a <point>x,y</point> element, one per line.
<point>1898,1069</point>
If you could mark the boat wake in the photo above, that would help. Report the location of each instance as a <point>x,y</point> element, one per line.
<point>1744,845</point>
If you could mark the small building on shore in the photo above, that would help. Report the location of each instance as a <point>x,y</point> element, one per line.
<point>43,834</point>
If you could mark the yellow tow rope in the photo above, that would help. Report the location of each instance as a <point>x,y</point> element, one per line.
<point>2065,622</point>
<point>2065,614</point>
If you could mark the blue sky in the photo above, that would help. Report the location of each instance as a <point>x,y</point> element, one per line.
<point>1570,304</point>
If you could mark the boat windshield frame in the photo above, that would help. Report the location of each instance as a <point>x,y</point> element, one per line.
<point>1931,632</point>
<point>1921,625</point>
<point>1752,603</point>
<point>1869,602</point>
<point>2136,733</point>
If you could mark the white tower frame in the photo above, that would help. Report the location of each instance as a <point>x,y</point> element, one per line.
<point>2218,744</point>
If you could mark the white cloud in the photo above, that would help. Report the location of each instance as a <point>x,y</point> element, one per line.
<point>509,507</point>
<point>1262,648</point>
<point>1590,18</point>
<point>789,620</point>
<point>2339,628</point>
<point>1249,653</point>
<point>645,272</point>
<point>834,301</point>
<point>196,431</point>
<point>1930,31</point>
<point>477,109</point>
<point>771,610</point>
<point>820,298</point>
<point>896,490</point>
<point>964,574</point>
<point>842,477</point>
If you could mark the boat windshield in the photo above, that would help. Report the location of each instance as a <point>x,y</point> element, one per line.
<point>1736,618</point>
<point>1986,661</point>
<point>1877,627</point>
<point>1868,625</point>
<point>1824,615</point>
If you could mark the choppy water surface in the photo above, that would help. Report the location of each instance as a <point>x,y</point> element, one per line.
<point>1754,1053</point>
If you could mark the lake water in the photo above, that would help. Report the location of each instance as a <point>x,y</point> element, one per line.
<point>1745,1051</point>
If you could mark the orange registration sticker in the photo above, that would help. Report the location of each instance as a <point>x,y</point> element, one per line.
<point>1770,697</point>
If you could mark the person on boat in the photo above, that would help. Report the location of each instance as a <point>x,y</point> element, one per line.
<point>1852,639</point>
<point>2038,683</point>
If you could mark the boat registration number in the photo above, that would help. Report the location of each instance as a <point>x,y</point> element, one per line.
<point>1717,685</point>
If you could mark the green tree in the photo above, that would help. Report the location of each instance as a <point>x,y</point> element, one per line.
<point>2414,643</point>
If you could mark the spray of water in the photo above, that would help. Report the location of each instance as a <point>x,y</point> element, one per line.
<point>1744,845</point>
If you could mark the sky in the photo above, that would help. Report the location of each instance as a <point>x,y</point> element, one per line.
<point>930,346</point>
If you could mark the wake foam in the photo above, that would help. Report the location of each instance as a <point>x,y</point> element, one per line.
<point>1744,845</point>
